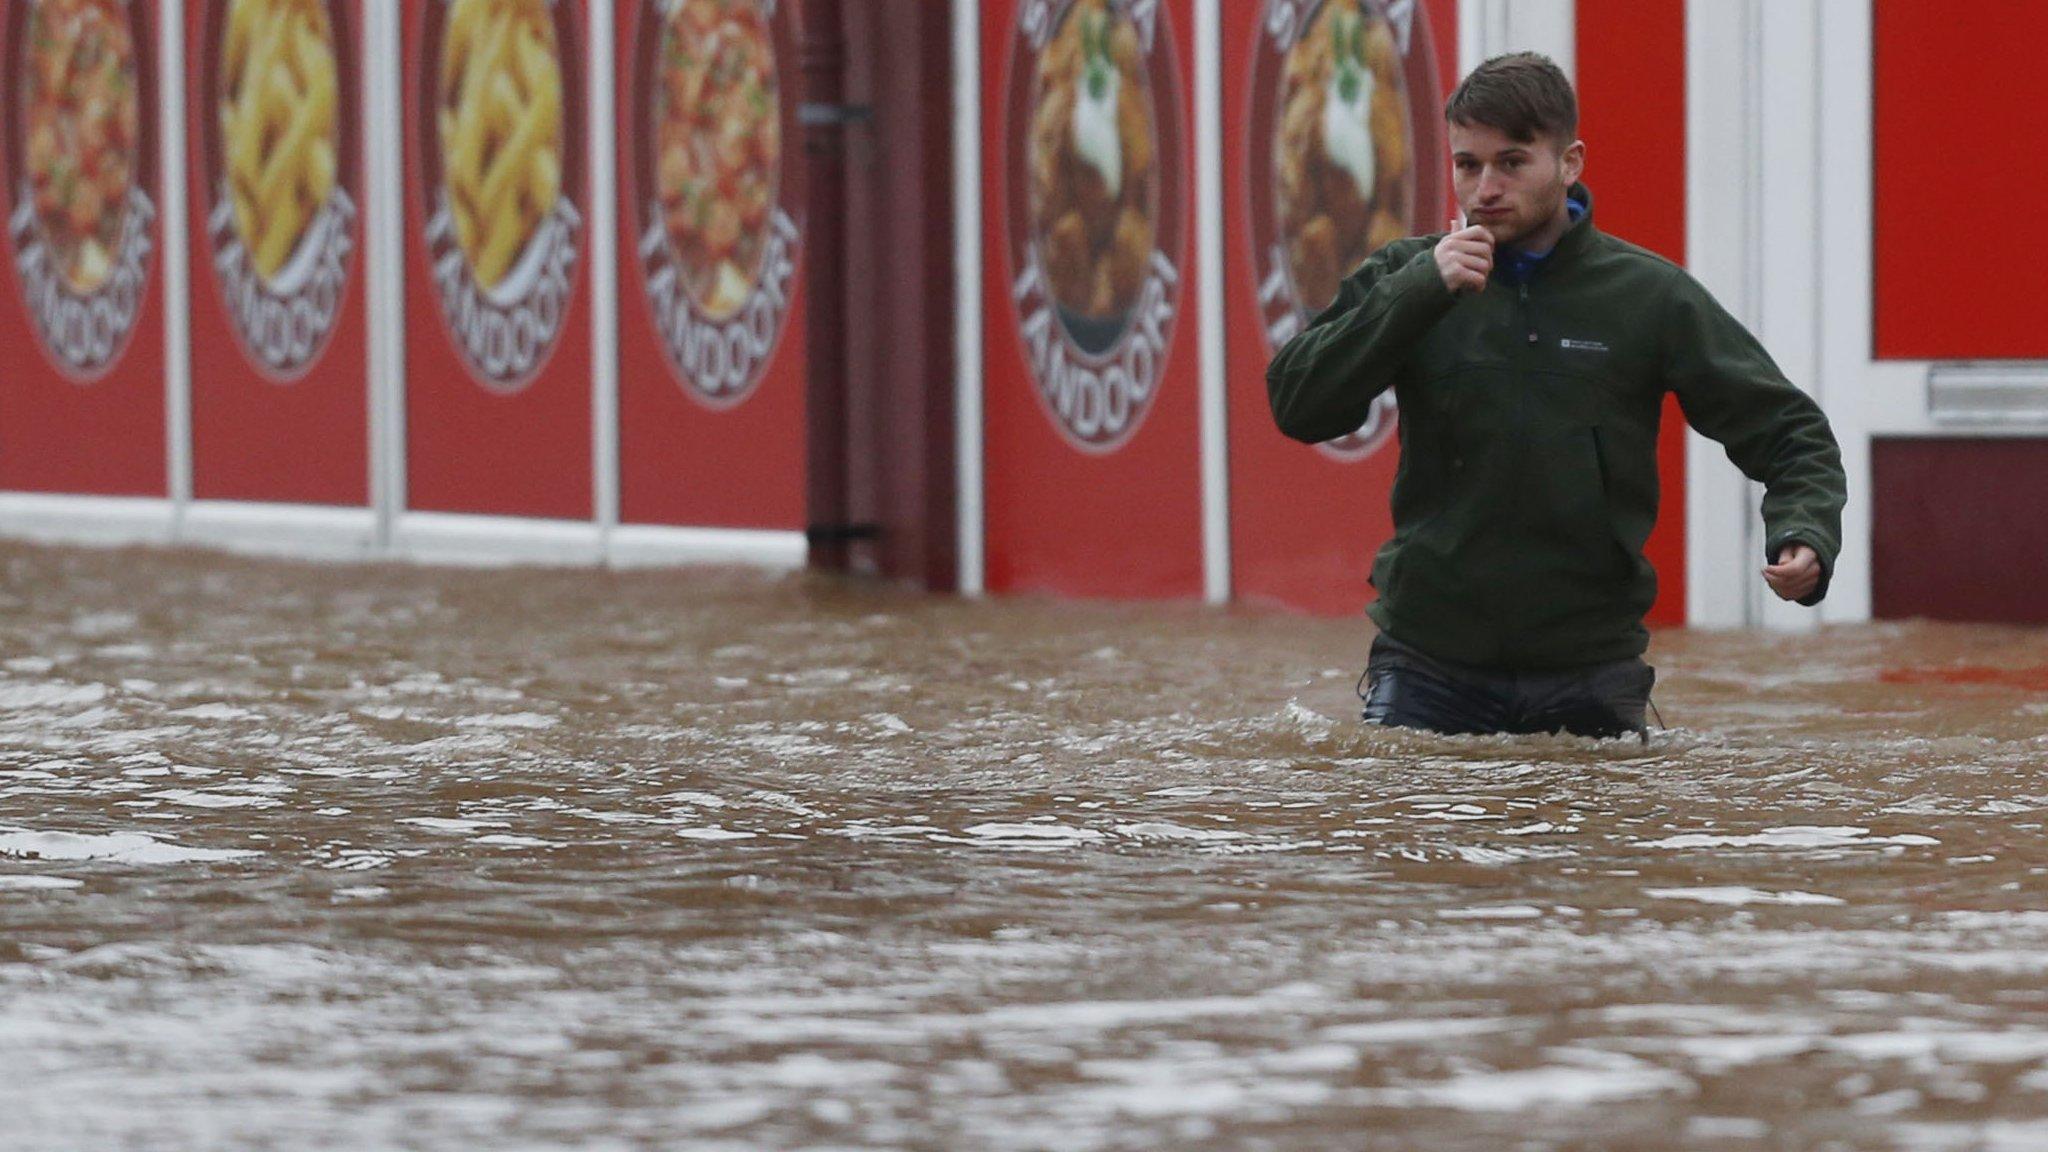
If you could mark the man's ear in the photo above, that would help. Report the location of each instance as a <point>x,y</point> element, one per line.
<point>1574,161</point>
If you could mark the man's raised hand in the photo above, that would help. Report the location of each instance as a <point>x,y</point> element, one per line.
<point>1464,257</point>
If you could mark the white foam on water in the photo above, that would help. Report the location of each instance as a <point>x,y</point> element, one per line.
<point>447,824</point>
<point>1160,830</point>
<point>1156,1101</point>
<point>809,1070</point>
<point>1491,912</point>
<point>1936,1043</point>
<point>1034,834</point>
<point>1602,1078</point>
<point>362,892</point>
<point>1726,1128</point>
<point>700,799</point>
<point>50,695</point>
<point>858,831</point>
<point>1989,1136</point>
<point>199,799</point>
<point>1736,895</point>
<point>1717,1055</point>
<point>102,623</point>
<point>506,841</point>
<point>1312,724</point>
<point>1791,836</point>
<point>1311,1060</point>
<point>20,883</point>
<point>216,711</point>
<point>119,847</point>
<point>1106,1015</point>
<point>1417,1031</point>
<point>714,833</point>
<point>1481,854</point>
<point>527,721</point>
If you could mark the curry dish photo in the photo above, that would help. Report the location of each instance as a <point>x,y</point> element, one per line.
<point>1344,183</point>
<point>718,111</point>
<point>1092,163</point>
<point>82,115</point>
<point>500,117</point>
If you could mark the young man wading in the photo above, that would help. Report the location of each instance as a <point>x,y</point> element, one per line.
<point>1530,353</point>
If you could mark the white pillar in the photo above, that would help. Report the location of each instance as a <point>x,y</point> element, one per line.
<point>1209,241</point>
<point>604,269</point>
<point>1787,250</point>
<point>1754,238</point>
<point>1490,27</point>
<point>1844,229</point>
<point>384,265</point>
<point>177,270</point>
<point>967,271</point>
<point>1722,181</point>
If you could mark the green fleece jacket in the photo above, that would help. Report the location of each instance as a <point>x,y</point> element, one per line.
<point>1529,415</point>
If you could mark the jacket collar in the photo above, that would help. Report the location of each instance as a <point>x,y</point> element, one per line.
<point>1577,237</point>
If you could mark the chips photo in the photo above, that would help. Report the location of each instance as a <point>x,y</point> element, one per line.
<point>500,121</point>
<point>278,120</point>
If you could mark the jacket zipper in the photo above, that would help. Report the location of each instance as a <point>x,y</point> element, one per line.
<point>1528,321</point>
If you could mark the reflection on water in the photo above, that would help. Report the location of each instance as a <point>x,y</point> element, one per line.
<point>444,860</point>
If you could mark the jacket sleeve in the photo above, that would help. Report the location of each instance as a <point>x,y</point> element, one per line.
<point>1732,392</point>
<point>1322,383</point>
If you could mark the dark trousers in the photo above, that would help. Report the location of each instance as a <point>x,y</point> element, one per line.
<point>1406,689</point>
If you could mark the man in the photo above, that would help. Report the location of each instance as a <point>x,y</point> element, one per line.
<point>1530,354</point>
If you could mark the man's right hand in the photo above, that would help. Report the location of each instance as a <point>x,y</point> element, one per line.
<point>1464,258</point>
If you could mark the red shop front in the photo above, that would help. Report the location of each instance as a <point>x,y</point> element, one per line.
<point>711,294</point>
<point>277,227</point>
<point>1091,437</point>
<point>1303,205</point>
<point>497,259</point>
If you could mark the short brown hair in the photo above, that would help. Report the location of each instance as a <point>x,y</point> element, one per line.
<point>1523,94</point>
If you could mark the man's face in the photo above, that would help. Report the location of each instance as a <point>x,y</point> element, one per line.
<point>1511,186</point>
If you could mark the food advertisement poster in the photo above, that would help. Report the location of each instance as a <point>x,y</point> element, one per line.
<point>497,328</point>
<point>81,296</point>
<point>1334,145</point>
<point>279,394</point>
<point>711,334</point>
<point>1092,409</point>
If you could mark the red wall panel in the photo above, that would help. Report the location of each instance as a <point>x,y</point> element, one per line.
<point>1956,530</point>
<point>1957,92</point>
<point>81,298</point>
<point>1306,521</point>
<point>280,407</point>
<point>497,330</point>
<point>711,347</point>
<point>1631,82</point>
<point>1092,445</point>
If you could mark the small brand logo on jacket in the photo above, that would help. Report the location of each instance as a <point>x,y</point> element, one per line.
<point>1582,345</point>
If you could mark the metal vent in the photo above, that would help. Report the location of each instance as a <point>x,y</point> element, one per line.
<point>2005,393</point>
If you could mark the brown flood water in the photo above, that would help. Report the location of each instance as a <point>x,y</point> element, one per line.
<point>323,857</point>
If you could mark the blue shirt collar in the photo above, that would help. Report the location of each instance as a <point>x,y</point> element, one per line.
<point>1518,265</point>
